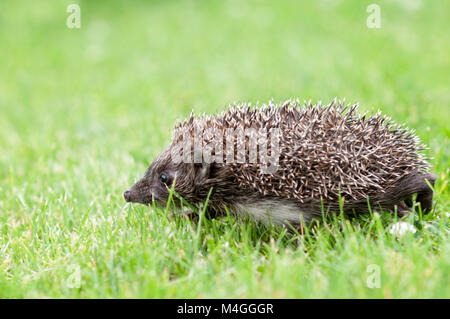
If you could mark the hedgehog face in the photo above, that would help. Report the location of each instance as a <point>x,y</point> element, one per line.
<point>155,184</point>
<point>157,181</point>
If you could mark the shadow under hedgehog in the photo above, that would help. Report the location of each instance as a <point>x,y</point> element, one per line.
<point>319,156</point>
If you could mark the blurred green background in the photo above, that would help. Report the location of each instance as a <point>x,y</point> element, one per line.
<point>84,111</point>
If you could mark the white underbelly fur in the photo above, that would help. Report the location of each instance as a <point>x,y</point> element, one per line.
<point>274,212</point>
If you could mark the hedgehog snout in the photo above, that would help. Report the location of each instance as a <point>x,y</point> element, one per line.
<point>133,195</point>
<point>141,192</point>
<point>127,195</point>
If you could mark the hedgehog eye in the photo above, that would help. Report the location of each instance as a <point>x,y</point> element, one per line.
<point>163,178</point>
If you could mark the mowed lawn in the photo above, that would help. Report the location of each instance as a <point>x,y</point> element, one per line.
<point>84,111</point>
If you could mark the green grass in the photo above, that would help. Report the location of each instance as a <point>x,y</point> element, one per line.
<point>84,111</point>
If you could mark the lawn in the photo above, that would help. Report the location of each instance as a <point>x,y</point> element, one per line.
<point>83,111</point>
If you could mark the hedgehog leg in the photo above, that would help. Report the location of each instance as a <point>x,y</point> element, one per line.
<point>402,209</point>
<point>409,202</point>
<point>425,195</point>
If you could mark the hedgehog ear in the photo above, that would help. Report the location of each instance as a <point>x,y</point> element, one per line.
<point>202,172</point>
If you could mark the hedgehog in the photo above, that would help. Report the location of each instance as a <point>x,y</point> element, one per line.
<point>289,163</point>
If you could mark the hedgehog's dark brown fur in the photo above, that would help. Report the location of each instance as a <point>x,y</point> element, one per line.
<point>326,153</point>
